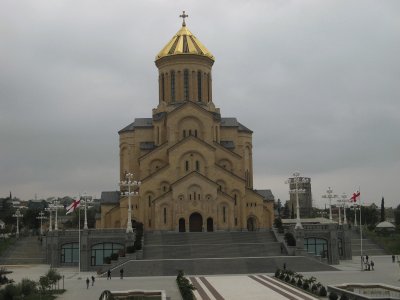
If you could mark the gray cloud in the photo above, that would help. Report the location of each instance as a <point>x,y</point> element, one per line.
<point>316,81</point>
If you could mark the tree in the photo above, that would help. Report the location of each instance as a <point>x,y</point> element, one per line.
<point>286,211</point>
<point>397,215</point>
<point>279,207</point>
<point>383,210</point>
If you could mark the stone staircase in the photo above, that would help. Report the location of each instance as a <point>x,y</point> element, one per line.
<point>26,250</point>
<point>208,253</point>
<point>369,247</point>
<point>209,245</point>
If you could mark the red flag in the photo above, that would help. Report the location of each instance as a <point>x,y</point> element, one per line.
<point>355,196</point>
<point>74,205</point>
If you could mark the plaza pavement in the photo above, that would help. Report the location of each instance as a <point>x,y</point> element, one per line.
<point>230,287</point>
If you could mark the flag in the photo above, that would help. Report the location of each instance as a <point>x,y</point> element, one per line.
<point>74,205</point>
<point>355,196</point>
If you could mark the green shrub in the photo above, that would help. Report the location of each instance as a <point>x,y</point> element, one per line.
<point>277,273</point>
<point>290,240</point>
<point>287,278</point>
<point>130,249</point>
<point>185,287</point>
<point>306,285</point>
<point>11,291</point>
<point>299,283</point>
<point>333,296</point>
<point>323,292</point>
<point>314,288</point>
<point>282,276</point>
<point>344,297</point>
<point>28,286</point>
<point>293,281</point>
<point>107,260</point>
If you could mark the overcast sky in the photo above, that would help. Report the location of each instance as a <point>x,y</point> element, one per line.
<point>317,81</point>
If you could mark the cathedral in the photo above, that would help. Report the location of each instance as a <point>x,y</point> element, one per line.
<point>195,166</point>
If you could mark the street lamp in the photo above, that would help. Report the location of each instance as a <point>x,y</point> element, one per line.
<point>50,209</point>
<point>17,215</point>
<point>86,200</point>
<point>344,200</point>
<point>296,180</point>
<point>131,185</point>
<point>330,197</point>
<point>41,217</point>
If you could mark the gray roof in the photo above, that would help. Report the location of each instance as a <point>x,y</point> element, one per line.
<point>233,122</point>
<point>266,194</point>
<point>139,122</point>
<point>148,123</point>
<point>110,197</point>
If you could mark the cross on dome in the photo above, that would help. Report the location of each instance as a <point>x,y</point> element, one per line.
<point>183,16</point>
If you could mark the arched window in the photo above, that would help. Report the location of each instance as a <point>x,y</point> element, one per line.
<point>224,214</point>
<point>70,253</point>
<point>172,86</point>
<point>100,251</point>
<point>149,201</point>
<point>165,215</point>
<point>195,132</point>
<point>186,85</point>
<point>197,165</point>
<point>184,133</point>
<point>316,246</point>
<point>187,165</point>
<point>162,87</point>
<point>208,87</point>
<point>199,86</point>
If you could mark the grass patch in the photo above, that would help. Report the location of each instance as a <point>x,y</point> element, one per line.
<point>5,244</point>
<point>390,243</point>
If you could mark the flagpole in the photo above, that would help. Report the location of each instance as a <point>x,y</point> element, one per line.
<point>79,235</point>
<point>361,242</point>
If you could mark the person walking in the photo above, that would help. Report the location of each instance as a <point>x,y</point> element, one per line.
<point>87,282</point>
<point>121,273</point>
<point>372,264</point>
<point>393,258</point>
<point>109,274</point>
<point>284,266</point>
<point>92,280</point>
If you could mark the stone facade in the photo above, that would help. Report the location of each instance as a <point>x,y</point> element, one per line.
<point>195,167</point>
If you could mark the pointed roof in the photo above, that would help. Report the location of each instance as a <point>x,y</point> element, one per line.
<point>184,42</point>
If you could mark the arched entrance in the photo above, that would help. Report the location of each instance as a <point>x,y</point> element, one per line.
<point>210,225</point>
<point>182,225</point>
<point>251,224</point>
<point>195,222</point>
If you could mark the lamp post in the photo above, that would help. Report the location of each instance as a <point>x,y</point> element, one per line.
<point>41,217</point>
<point>86,200</point>
<point>50,209</point>
<point>17,215</point>
<point>131,185</point>
<point>296,179</point>
<point>344,200</point>
<point>329,196</point>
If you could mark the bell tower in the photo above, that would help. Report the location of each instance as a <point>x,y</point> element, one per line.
<point>184,69</point>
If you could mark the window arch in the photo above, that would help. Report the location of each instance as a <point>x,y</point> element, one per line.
<point>70,253</point>
<point>199,86</point>
<point>172,86</point>
<point>162,87</point>
<point>102,250</point>
<point>317,246</point>
<point>186,85</point>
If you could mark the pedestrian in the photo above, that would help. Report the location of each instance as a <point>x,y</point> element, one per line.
<point>372,264</point>
<point>109,274</point>
<point>362,259</point>
<point>393,258</point>
<point>92,280</point>
<point>368,266</point>
<point>121,273</point>
<point>284,266</point>
<point>366,257</point>
<point>87,282</point>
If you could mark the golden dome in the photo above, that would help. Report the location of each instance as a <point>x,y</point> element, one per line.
<point>184,42</point>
